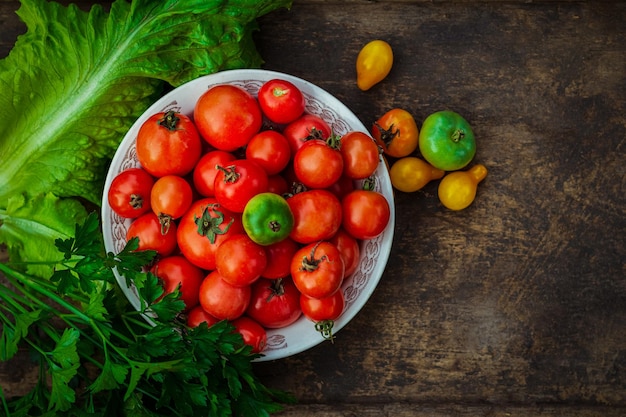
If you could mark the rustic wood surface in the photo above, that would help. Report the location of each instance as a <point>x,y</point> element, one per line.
<point>515,306</point>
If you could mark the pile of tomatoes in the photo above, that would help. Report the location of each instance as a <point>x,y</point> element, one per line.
<point>253,207</point>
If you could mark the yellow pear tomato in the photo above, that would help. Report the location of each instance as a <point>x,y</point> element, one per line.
<point>373,64</point>
<point>410,174</point>
<point>457,190</point>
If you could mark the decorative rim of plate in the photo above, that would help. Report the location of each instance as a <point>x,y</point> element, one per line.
<point>357,288</point>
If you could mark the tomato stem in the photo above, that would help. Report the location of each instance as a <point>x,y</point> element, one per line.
<point>387,135</point>
<point>311,264</point>
<point>166,221</point>
<point>169,121</point>
<point>208,225</point>
<point>325,327</point>
<point>457,135</point>
<point>136,201</point>
<point>230,173</point>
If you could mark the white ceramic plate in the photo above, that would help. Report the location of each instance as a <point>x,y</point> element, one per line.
<point>357,288</point>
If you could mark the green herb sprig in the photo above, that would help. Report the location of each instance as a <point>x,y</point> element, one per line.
<point>98,356</point>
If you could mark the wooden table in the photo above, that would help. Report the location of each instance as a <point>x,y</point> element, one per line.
<point>515,306</point>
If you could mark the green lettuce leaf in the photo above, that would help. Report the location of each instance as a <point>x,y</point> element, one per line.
<point>76,81</point>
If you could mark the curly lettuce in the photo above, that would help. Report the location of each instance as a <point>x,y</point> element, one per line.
<point>76,81</point>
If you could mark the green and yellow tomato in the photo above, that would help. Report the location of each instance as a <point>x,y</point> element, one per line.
<point>267,218</point>
<point>447,141</point>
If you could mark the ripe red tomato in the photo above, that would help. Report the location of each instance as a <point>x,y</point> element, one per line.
<point>269,149</point>
<point>197,316</point>
<point>227,116</point>
<point>306,127</point>
<point>281,101</point>
<point>279,257</point>
<point>147,228</point>
<point>129,193</point>
<point>317,215</point>
<point>203,228</point>
<point>365,213</point>
<point>319,310</point>
<point>175,271</point>
<point>360,153</point>
<point>170,198</point>
<point>317,269</point>
<point>277,184</point>
<point>204,173</point>
<point>239,260</point>
<point>168,144</point>
<point>349,248</point>
<point>342,187</point>
<point>317,164</point>
<point>238,182</point>
<point>274,303</point>
<point>252,333</point>
<point>221,299</point>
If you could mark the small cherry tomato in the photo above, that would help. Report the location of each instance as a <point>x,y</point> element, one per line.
<point>205,171</point>
<point>373,63</point>
<point>307,127</point>
<point>457,190</point>
<point>147,228</point>
<point>360,153</point>
<point>168,144</point>
<point>277,184</point>
<point>175,271</point>
<point>129,193</point>
<point>342,187</point>
<point>317,269</point>
<point>279,257</point>
<point>170,198</point>
<point>239,181</point>
<point>317,215</point>
<point>270,150</point>
<point>365,214</point>
<point>239,260</point>
<point>274,303</point>
<point>396,132</point>
<point>221,299</point>
<point>197,316</point>
<point>252,333</point>
<point>318,164</point>
<point>227,116</point>
<point>410,174</point>
<point>267,218</point>
<point>349,248</point>
<point>447,141</point>
<point>323,312</point>
<point>281,101</point>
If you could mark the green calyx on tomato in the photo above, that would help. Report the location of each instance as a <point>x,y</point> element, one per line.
<point>169,121</point>
<point>209,226</point>
<point>447,141</point>
<point>267,218</point>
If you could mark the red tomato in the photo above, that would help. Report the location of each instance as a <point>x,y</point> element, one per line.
<point>281,101</point>
<point>252,333</point>
<point>317,164</point>
<point>317,269</point>
<point>170,198</point>
<point>342,187</point>
<point>365,213</point>
<point>269,149</point>
<point>238,182</point>
<point>277,184</point>
<point>239,260</point>
<point>274,303</point>
<point>168,144</point>
<point>147,228</point>
<point>349,248</point>
<point>308,126</point>
<point>317,215</point>
<point>129,193</point>
<point>204,173</point>
<point>360,155</point>
<point>203,228</point>
<point>227,116</point>
<point>222,300</point>
<point>319,310</point>
<point>197,316</point>
<point>279,257</point>
<point>175,271</point>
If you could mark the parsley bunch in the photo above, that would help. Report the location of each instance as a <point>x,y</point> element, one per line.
<point>98,356</point>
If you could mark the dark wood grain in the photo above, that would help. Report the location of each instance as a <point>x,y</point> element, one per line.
<point>516,305</point>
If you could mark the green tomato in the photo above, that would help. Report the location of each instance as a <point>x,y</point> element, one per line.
<point>446,141</point>
<point>267,218</point>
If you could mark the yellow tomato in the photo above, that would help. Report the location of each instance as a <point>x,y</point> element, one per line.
<point>411,174</point>
<point>457,190</point>
<point>373,64</point>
